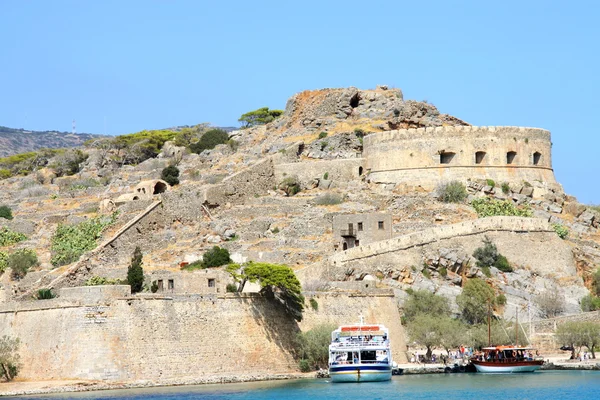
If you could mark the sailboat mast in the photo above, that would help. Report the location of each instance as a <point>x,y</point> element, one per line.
<point>489,324</point>
<point>517,329</point>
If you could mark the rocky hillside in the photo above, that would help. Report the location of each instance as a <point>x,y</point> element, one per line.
<point>15,141</point>
<point>232,196</point>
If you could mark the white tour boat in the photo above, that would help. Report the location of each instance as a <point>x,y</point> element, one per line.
<point>360,353</point>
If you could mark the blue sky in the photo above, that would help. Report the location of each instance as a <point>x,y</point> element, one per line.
<point>123,66</point>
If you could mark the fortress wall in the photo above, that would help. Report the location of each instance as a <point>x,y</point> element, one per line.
<point>151,339</point>
<point>412,156</point>
<point>543,331</point>
<point>337,170</point>
<point>339,309</point>
<point>162,338</point>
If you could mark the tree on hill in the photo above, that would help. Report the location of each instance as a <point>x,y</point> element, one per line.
<point>135,273</point>
<point>277,282</point>
<point>170,175</point>
<point>9,357</point>
<point>259,117</point>
<point>425,302</point>
<point>474,301</point>
<point>312,347</point>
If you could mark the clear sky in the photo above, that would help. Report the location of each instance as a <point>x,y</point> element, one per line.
<point>123,66</point>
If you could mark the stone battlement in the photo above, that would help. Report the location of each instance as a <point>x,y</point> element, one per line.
<point>427,156</point>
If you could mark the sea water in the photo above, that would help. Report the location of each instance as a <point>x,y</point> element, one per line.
<point>537,385</point>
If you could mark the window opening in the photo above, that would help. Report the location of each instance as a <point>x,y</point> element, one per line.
<point>536,158</point>
<point>211,283</point>
<point>360,226</point>
<point>171,284</point>
<point>510,157</point>
<point>446,157</point>
<point>479,156</point>
<point>380,224</point>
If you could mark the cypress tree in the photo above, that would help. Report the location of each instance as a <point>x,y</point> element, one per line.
<point>135,273</point>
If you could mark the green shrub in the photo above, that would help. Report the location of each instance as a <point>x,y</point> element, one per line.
<point>322,135</point>
<point>488,256</point>
<point>69,242</point>
<point>275,230</point>
<point>20,262</point>
<point>6,212</point>
<point>231,288</point>
<point>215,257</point>
<point>505,188</point>
<point>290,185</point>
<point>323,144</point>
<point>502,264</point>
<point>561,230</point>
<point>3,261</point>
<point>8,237</point>
<point>304,366</point>
<point>314,304</point>
<point>490,182</point>
<point>486,271</point>
<point>5,173</point>
<point>452,192</point>
<point>590,303</point>
<point>312,347</point>
<point>329,199</point>
<point>101,281</point>
<point>170,175</point>
<point>487,207</point>
<point>140,146</point>
<point>135,272</point>
<point>69,162</point>
<point>209,140</point>
<point>426,273</point>
<point>326,175</point>
<point>360,133</point>
<point>45,294</point>
<point>501,299</point>
<point>233,144</point>
<point>443,272</point>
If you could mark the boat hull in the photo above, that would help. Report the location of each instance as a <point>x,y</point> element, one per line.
<point>360,373</point>
<point>507,368</point>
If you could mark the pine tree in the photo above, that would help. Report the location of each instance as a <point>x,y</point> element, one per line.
<point>135,273</point>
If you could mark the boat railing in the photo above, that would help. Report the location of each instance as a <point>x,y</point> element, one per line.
<point>361,343</point>
<point>361,362</point>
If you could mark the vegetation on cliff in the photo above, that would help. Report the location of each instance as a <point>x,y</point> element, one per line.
<point>69,242</point>
<point>488,207</point>
<point>277,282</point>
<point>214,257</point>
<point>170,175</point>
<point>209,140</point>
<point>475,300</point>
<point>488,256</point>
<point>6,212</point>
<point>9,237</point>
<point>452,192</point>
<point>20,262</point>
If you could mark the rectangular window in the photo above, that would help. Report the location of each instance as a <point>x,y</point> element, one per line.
<point>360,227</point>
<point>380,225</point>
<point>211,283</point>
<point>160,285</point>
<point>356,243</point>
<point>171,285</point>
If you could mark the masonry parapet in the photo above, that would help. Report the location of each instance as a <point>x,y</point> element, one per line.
<point>482,225</point>
<point>428,156</point>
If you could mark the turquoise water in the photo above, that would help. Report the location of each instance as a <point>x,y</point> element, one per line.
<point>538,385</point>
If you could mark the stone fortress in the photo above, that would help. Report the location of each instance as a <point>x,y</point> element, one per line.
<point>381,155</point>
<point>428,156</point>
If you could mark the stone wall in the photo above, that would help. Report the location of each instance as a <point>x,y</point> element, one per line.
<point>338,171</point>
<point>427,156</point>
<point>188,282</point>
<point>155,338</point>
<point>152,339</point>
